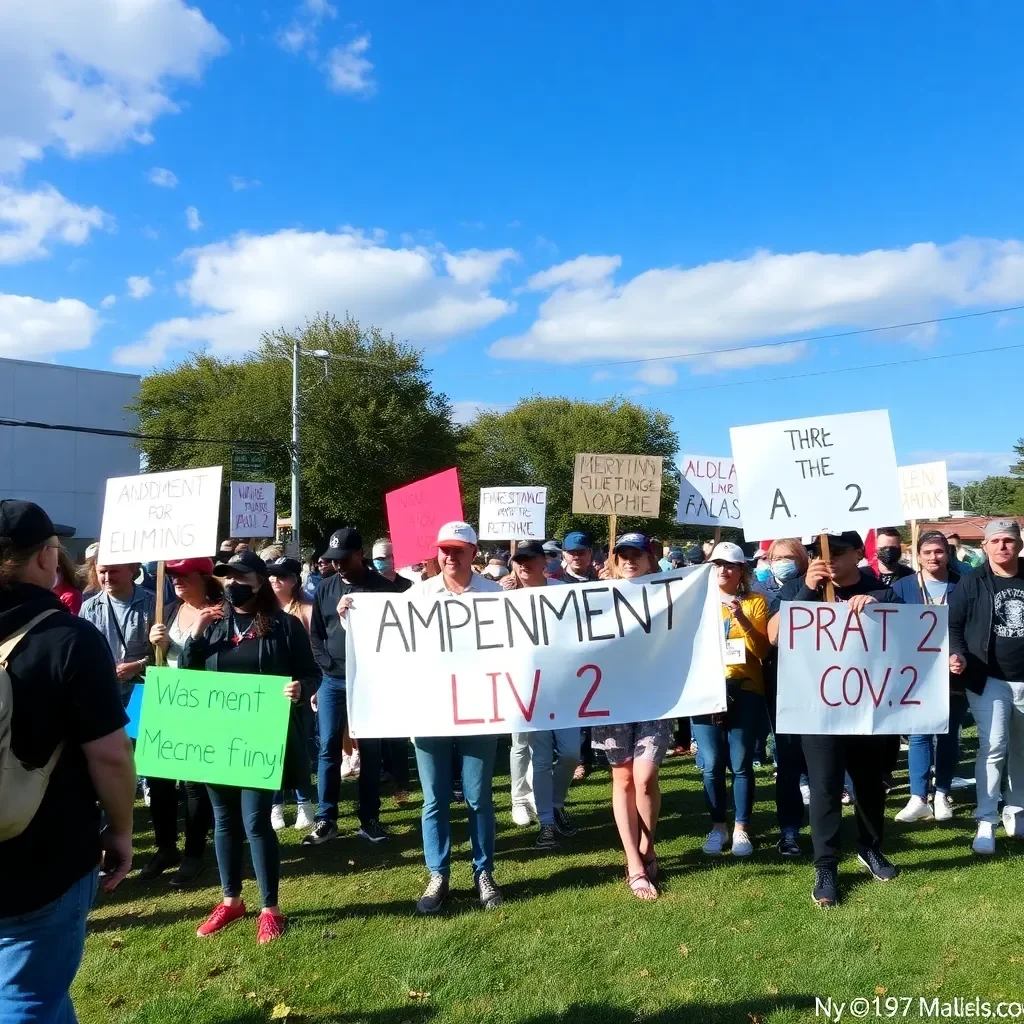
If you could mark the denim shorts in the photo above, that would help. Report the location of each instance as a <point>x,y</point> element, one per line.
<point>644,741</point>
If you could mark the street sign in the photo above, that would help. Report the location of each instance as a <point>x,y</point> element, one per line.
<point>248,462</point>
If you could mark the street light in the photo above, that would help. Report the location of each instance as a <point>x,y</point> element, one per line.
<point>296,503</point>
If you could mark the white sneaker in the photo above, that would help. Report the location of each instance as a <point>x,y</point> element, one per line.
<point>741,845</point>
<point>522,815</point>
<point>917,809</point>
<point>145,792</point>
<point>277,817</point>
<point>715,843</point>
<point>356,764</point>
<point>985,841</point>
<point>805,794</point>
<point>1013,820</point>
<point>943,807</point>
<point>346,766</point>
<point>306,815</point>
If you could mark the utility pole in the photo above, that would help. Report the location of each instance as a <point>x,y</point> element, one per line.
<point>296,465</point>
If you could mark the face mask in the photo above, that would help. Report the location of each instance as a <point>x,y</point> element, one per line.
<point>383,564</point>
<point>784,569</point>
<point>239,594</point>
<point>763,575</point>
<point>889,556</point>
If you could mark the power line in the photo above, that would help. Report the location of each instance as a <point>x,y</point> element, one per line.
<point>135,435</point>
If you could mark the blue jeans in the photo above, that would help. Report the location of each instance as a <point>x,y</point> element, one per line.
<point>550,760</point>
<point>945,750</point>
<point>302,796</point>
<point>239,814</point>
<point>434,763</point>
<point>39,954</point>
<point>732,743</point>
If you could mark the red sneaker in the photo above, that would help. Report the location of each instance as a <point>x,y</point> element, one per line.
<point>222,916</point>
<point>271,926</point>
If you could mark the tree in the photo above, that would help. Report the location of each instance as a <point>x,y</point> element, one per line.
<point>370,423</point>
<point>535,444</point>
<point>1017,469</point>
<point>993,496</point>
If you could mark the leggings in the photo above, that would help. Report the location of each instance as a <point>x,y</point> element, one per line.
<point>238,814</point>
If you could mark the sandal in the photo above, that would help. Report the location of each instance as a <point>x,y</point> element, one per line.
<point>651,867</point>
<point>642,888</point>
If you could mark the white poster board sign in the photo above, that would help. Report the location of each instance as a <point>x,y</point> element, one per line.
<point>812,476</point>
<point>158,517</point>
<point>924,490</point>
<point>883,672</point>
<point>513,513</point>
<point>432,663</point>
<point>252,510</point>
<point>707,492</point>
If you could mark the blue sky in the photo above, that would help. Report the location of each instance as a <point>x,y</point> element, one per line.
<point>533,193</point>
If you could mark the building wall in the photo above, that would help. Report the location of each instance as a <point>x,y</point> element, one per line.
<point>62,471</point>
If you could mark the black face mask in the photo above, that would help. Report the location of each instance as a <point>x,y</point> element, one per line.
<point>238,594</point>
<point>889,556</point>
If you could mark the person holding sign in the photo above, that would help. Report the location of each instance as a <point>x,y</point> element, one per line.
<point>986,643</point>
<point>253,635</point>
<point>729,737</point>
<point>932,584</point>
<point>635,751</point>
<point>829,758</point>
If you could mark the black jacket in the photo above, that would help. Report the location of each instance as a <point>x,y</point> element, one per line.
<point>284,651</point>
<point>796,590</point>
<point>326,633</point>
<point>970,624</point>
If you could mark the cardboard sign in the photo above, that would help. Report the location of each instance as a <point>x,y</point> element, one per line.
<point>512,513</point>
<point>219,727</point>
<point>252,510</point>
<point>439,664</point>
<point>883,672</point>
<point>924,490</point>
<point>818,475</point>
<point>417,511</point>
<point>160,516</point>
<point>617,485</point>
<point>707,492</point>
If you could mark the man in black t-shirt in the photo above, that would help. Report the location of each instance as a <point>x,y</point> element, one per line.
<point>830,757</point>
<point>67,706</point>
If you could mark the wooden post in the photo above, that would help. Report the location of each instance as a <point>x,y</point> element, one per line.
<point>612,525</point>
<point>718,535</point>
<point>915,532</point>
<point>830,587</point>
<point>160,571</point>
<point>512,545</point>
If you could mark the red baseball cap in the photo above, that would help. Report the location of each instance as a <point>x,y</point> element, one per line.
<point>184,566</point>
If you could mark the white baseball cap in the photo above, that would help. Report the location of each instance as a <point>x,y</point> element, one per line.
<point>728,552</point>
<point>457,533</point>
<point>382,549</point>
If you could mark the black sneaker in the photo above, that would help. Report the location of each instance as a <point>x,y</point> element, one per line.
<point>434,895</point>
<point>374,831</point>
<point>825,893</point>
<point>323,831</point>
<point>457,795</point>
<point>564,825</point>
<point>546,838</point>
<point>191,868</point>
<point>881,868</point>
<point>789,846</point>
<point>161,861</point>
<point>490,894</point>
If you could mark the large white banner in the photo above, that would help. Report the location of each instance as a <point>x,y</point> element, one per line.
<point>253,509</point>
<point>884,671</point>
<point>512,513</point>
<point>707,492</point>
<point>554,657</point>
<point>160,516</point>
<point>812,476</point>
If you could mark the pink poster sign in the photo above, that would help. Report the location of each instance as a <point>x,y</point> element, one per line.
<point>417,511</point>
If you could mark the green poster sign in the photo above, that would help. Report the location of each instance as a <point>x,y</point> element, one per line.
<point>217,727</point>
<point>248,462</point>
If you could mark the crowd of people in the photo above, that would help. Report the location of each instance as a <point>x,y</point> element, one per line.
<point>70,658</point>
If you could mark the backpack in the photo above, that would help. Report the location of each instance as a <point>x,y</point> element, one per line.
<point>21,787</point>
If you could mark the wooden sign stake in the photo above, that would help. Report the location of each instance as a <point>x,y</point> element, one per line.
<point>830,587</point>
<point>612,525</point>
<point>160,571</point>
<point>718,534</point>
<point>915,532</point>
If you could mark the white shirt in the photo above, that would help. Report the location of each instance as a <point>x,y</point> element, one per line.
<point>436,585</point>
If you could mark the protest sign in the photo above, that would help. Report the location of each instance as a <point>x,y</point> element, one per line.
<point>253,510</point>
<point>512,513</point>
<point>134,711</point>
<point>707,492</point>
<point>602,653</point>
<point>617,485</point>
<point>812,476</point>
<point>160,516</point>
<point>924,491</point>
<point>882,672</point>
<point>219,727</point>
<point>417,511</point>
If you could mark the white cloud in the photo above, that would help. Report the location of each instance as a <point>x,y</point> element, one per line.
<point>108,302</point>
<point>475,266</point>
<point>162,177</point>
<point>467,410</point>
<point>38,329</point>
<point>151,233</point>
<point>733,302</point>
<point>87,77</point>
<point>301,32</point>
<point>254,283</point>
<point>658,375</point>
<point>546,244</point>
<point>28,220</point>
<point>139,287</point>
<point>964,467</point>
<point>192,218</point>
<point>239,184</point>
<point>348,70</point>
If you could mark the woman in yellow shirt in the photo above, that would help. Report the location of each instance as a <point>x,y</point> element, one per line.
<point>728,737</point>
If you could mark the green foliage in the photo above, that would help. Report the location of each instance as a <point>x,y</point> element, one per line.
<point>371,424</point>
<point>1017,469</point>
<point>993,496</point>
<point>535,444</point>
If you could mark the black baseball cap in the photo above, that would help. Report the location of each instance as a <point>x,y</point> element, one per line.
<point>529,549</point>
<point>343,543</point>
<point>244,561</point>
<point>23,524</point>
<point>284,567</point>
<point>840,541</point>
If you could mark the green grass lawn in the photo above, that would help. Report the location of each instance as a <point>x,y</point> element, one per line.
<point>729,940</point>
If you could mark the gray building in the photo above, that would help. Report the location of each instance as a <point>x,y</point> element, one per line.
<point>65,471</point>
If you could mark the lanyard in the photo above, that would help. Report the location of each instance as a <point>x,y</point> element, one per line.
<point>237,636</point>
<point>117,625</point>
<point>727,622</point>
<point>925,596</point>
